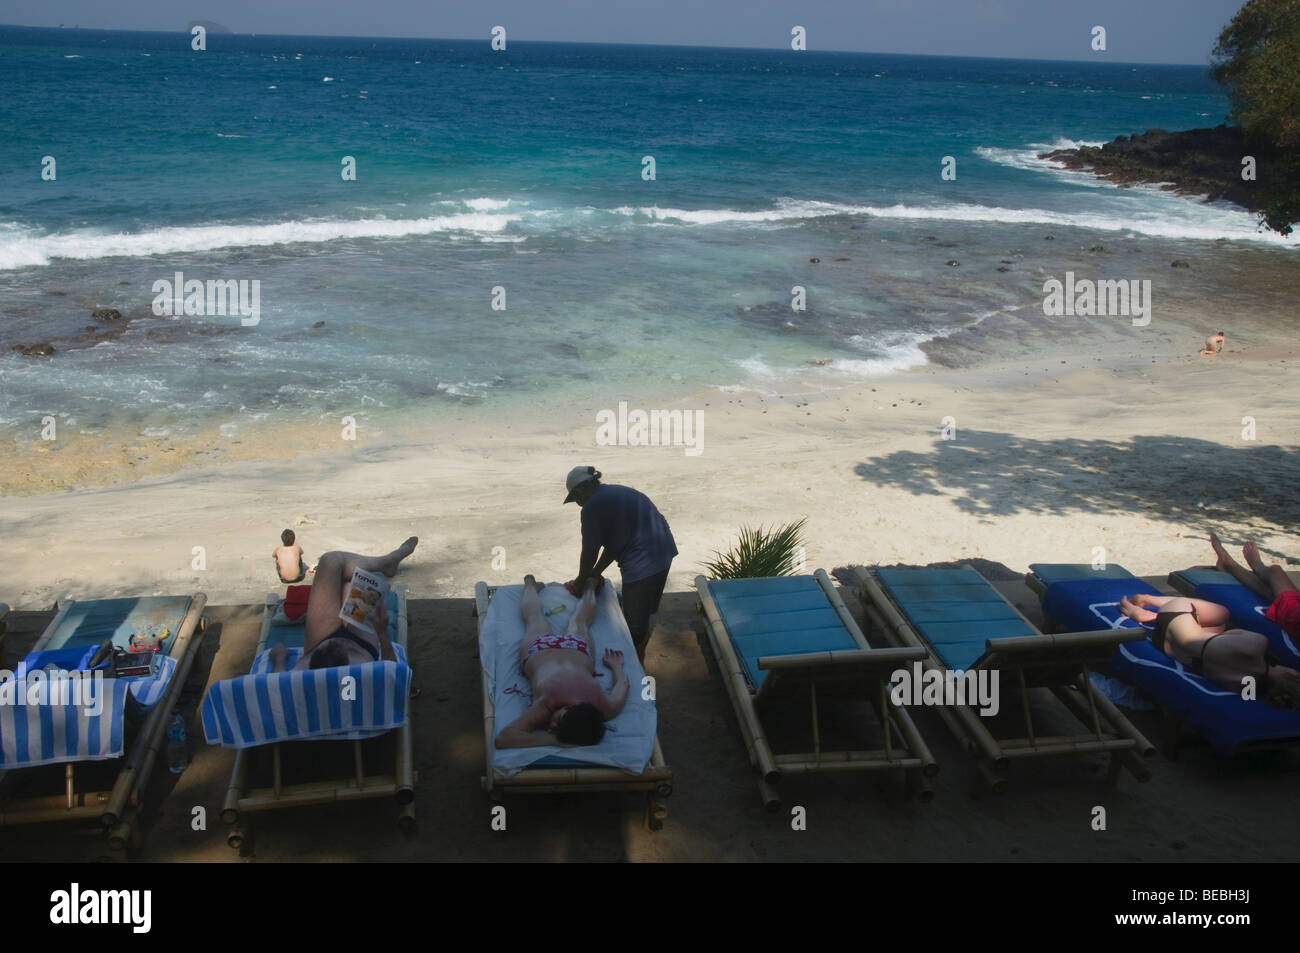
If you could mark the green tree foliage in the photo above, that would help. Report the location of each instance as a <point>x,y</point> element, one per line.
<point>1257,57</point>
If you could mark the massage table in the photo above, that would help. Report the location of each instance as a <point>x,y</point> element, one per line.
<point>628,758</point>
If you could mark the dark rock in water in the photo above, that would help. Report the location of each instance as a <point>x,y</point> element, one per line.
<point>91,328</point>
<point>44,349</point>
<point>953,263</point>
<point>930,238</point>
<point>1180,263</point>
<point>814,260</point>
<point>61,294</point>
<point>945,245</point>
<point>1048,238</point>
<point>1003,268</point>
<point>319,324</point>
<point>1097,248</point>
<point>841,259</point>
<point>106,314</point>
<point>123,283</point>
<point>1193,162</point>
<point>1007,261</point>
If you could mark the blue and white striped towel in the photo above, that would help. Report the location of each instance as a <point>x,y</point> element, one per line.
<point>32,735</point>
<point>264,707</point>
<point>147,691</point>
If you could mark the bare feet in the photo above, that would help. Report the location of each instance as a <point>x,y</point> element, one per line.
<point>1251,552</point>
<point>1134,611</point>
<point>1222,559</point>
<point>529,580</point>
<point>394,559</point>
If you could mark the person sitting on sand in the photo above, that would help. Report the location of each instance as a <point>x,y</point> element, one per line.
<point>1271,582</point>
<point>1194,633</point>
<point>569,708</point>
<point>288,559</point>
<point>329,640</point>
<point>1213,344</point>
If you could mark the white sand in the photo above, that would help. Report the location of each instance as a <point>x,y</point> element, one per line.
<point>1050,460</point>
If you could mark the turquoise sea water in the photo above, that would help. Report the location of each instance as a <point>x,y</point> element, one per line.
<point>522,170</point>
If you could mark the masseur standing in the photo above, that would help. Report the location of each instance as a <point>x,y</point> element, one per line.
<point>620,524</point>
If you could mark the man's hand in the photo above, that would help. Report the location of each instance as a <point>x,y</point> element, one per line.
<point>575,586</point>
<point>278,654</point>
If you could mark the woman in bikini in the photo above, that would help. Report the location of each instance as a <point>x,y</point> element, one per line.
<point>1195,633</point>
<point>569,707</point>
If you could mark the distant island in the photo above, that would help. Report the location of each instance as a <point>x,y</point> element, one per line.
<point>1204,162</point>
<point>208,25</point>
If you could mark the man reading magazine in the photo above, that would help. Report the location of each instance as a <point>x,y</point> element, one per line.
<point>329,640</point>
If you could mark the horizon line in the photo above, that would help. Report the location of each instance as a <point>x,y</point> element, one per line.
<point>681,46</point>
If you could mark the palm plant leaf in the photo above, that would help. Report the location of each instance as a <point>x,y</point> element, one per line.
<point>760,552</point>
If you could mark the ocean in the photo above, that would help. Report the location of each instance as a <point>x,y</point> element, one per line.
<point>501,244</point>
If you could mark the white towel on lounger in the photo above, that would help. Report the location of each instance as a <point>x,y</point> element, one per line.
<point>629,738</point>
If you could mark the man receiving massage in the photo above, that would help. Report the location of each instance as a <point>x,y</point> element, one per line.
<point>569,708</point>
<point>328,640</point>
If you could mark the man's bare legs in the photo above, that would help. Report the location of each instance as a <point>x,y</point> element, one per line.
<point>1274,577</point>
<point>1269,581</point>
<point>333,573</point>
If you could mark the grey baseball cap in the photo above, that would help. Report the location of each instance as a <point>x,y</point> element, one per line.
<point>577,477</point>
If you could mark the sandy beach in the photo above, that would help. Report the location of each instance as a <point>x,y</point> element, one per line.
<point>1050,459</point>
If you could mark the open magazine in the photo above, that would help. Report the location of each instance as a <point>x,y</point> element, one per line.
<point>365,593</point>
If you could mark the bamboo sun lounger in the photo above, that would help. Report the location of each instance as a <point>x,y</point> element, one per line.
<point>630,757</point>
<point>964,624</point>
<point>792,635</point>
<point>56,733</point>
<point>1080,596</point>
<point>274,709</point>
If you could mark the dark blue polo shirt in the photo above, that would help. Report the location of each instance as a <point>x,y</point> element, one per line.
<point>630,528</point>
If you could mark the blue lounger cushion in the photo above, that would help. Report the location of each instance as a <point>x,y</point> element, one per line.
<point>782,615</point>
<point>956,611</point>
<point>1222,717</point>
<point>1245,607</point>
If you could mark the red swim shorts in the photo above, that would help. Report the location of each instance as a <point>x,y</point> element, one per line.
<point>1285,611</point>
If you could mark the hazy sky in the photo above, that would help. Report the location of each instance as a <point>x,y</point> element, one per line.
<point>1146,31</point>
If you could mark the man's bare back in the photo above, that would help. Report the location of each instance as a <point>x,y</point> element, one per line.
<point>288,560</point>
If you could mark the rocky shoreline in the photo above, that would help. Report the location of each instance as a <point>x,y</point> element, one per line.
<point>1202,162</point>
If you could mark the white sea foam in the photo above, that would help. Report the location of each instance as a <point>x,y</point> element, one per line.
<point>1155,214</point>
<point>1171,217</point>
<point>486,205</point>
<point>1026,159</point>
<point>26,249</point>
